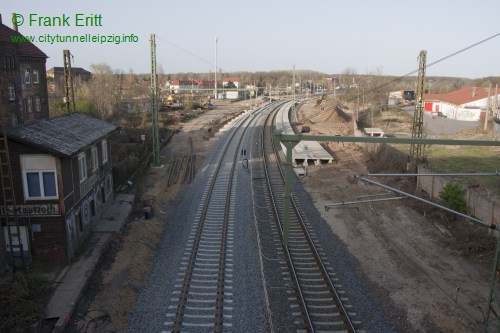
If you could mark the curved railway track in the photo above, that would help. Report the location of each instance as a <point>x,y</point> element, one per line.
<point>202,300</point>
<point>319,301</point>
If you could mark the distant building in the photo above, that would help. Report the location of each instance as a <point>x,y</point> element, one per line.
<point>177,86</point>
<point>62,177</point>
<point>55,80</point>
<point>401,97</point>
<point>23,84</point>
<point>234,80</point>
<point>232,94</point>
<point>467,104</point>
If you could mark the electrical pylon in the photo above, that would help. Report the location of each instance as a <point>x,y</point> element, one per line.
<point>418,116</point>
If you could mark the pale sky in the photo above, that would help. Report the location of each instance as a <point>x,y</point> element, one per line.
<point>366,36</point>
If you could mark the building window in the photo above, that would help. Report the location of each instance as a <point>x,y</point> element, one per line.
<point>82,166</point>
<point>39,177</point>
<point>8,62</point>
<point>36,77</point>
<point>95,161</point>
<point>12,92</point>
<point>27,76</point>
<point>41,185</point>
<point>104,145</point>
<point>29,104</point>
<point>38,104</point>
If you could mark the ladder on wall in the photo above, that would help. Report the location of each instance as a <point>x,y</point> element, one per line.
<point>9,212</point>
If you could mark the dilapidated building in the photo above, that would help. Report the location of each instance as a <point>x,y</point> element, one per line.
<point>61,170</point>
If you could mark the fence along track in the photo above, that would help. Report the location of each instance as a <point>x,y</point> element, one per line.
<point>204,284</point>
<point>319,300</point>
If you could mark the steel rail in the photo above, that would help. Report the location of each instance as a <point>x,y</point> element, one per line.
<point>301,297</point>
<point>345,315</point>
<point>196,243</point>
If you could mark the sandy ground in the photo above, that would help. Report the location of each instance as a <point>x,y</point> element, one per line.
<point>399,251</point>
<point>402,253</point>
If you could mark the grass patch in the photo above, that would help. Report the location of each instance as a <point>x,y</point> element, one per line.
<point>468,159</point>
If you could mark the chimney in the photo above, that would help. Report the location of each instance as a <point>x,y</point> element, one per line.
<point>14,22</point>
<point>473,91</point>
<point>0,18</point>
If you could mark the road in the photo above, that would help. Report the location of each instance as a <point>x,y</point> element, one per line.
<point>440,125</point>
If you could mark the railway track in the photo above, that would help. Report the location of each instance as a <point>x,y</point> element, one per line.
<point>202,296</point>
<point>317,304</point>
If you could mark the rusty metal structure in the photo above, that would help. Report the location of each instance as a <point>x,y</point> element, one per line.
<point>69,91</point>
<point>418,116</point>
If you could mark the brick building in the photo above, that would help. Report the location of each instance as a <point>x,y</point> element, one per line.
<point>62,177</point>
<point>55,77</point>
<point>61,166</point>
<point>23,82</point>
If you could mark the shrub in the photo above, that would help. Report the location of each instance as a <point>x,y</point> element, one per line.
<point>452,196</point>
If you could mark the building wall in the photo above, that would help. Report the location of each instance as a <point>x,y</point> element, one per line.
<point>58,227</point>
<point>9,75</point>
<point>32,90</point>
<point>452,111</point>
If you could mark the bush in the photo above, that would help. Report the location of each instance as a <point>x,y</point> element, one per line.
<point>452,196</point>
<point>22,303</point>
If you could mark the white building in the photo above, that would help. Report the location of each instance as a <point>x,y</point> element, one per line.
<point>467,104</point>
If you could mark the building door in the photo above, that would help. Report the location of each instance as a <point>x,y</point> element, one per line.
<point>12,248</point>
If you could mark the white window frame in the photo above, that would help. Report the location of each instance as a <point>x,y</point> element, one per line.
<point>95,158</point>
<point>36,77</point>
<point>40,182</point>
<point>104,146</point>
<point>82,167</point>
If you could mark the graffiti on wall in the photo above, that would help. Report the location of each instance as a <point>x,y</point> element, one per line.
<point>79,219</point>
<point>468,114</point>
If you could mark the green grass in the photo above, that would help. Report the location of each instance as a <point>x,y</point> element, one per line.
<point>468,159</point>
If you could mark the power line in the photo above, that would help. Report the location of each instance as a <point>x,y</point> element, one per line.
<point>185,51</point>
<point>397,79</point>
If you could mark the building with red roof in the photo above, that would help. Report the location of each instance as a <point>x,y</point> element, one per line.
<point>468,103</point>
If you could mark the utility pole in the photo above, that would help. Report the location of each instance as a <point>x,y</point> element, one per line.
<point>418,116</point>
<point>294,116</point>
<point>488,104</point>
<point>215,90</point>
<point>69,92</point>
<point>154,104</point>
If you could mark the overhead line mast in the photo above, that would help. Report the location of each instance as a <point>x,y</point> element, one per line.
<point>418,116</point>
<point>69,92</point>
<point>154,104</point>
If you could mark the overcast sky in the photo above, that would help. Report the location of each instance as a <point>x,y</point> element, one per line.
<point>328,36</point>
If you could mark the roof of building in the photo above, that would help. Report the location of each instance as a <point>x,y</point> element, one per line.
<point>462,96</point>
<point>73,70</point>
<point>64,135</point>
<point>26,49</point>
<point>232,79</point>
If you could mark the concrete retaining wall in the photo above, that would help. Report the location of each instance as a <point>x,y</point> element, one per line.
<point>479,203</point>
